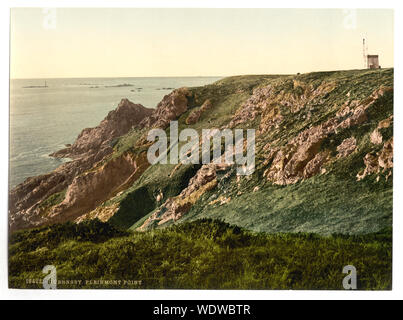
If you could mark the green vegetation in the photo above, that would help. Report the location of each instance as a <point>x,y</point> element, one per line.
<point>54,199</point>
<point>266,236</point>
<point>137,201</point>
<point>334,202</point>
<point>324,204</point>
<point>331,203</point>
<point>94,231</point>
<point>204,254</point>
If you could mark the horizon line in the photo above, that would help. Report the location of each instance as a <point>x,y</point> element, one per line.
<point>216,76</point>
<point>108,77</point>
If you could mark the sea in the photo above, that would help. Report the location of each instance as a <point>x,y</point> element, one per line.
<point>47,114</point>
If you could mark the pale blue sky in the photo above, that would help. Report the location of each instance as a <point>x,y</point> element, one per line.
<point>194,42</point>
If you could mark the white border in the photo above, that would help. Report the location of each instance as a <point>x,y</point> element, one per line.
<point>6,293</point>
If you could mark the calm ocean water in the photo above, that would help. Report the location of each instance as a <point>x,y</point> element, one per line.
<point>43,120</point>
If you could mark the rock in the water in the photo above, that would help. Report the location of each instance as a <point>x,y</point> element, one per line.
<point>98,139</point>
<point>91,146</point>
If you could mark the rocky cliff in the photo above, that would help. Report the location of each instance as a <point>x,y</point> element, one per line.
<point>29,200</point>
<point>324,160</point>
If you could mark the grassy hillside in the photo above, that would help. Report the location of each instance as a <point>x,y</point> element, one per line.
<point>319,199</point>
<point>334,202</point>
<point>323,205</point>
<point>204,254</point>
<point>227,95</point>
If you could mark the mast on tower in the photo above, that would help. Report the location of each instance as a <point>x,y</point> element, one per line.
<point>364,52</point>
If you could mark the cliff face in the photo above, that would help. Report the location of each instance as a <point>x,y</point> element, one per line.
<point>97,141</point>
<point>170,108</point>
<point>324,160</point>
<point>92,145</point>
<point>326,127</point>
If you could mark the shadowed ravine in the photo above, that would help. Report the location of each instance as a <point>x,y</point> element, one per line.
<point>324,166</point>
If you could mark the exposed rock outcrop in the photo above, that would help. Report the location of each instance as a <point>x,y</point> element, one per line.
<point>257,102</point>
<point>86,180</point>
<point>94,187</point>
<point>91,146</point>
<point>314,165</point>
<point>195,114</point>
<point>300,158</point>
<point>103,213</point>
<point>268,100</point>
<point>346,147</point>
<point>378,162</point>
<point>289,164</point>
<point>98,140</point>
<point>376,136</point>
<point>170,108</point>
<point>174,208</point>
<point>306,125</point>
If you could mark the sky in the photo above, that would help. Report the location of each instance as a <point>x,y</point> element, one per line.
<point>130,42</point>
